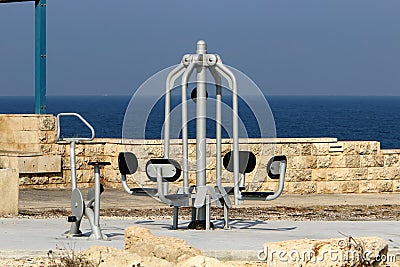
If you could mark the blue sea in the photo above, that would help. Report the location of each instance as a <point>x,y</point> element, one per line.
<point>346,118</point>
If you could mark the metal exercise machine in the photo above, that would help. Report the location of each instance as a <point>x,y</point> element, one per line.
<point>90,208</point>
<point>166,170</point>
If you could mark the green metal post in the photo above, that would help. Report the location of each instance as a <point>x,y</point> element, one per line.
<point>40,56</point>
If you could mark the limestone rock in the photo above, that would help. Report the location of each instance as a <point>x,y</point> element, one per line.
<point>140,241</point>
<point>338,252</point>
<point>202,261</point>
<point>112,257</point>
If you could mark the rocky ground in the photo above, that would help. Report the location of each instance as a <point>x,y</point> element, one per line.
<point>324,213</point>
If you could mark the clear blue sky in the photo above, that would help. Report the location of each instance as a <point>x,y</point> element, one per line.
<point>288,47</point>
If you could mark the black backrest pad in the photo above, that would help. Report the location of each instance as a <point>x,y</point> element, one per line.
<point>172,167</point>
<point>127,163</point>
<point>274,165</point>
<point>247,161</point>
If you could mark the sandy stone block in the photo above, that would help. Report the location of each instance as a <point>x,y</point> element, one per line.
<point>350,148</point>
<point>391,173</point>
<point>87,176</point>
<point>306,149</point>
<point>94,150</point>
<point>338,161</point>
<point>28,164</point>
<point>24,180</point>
<point>320,149</point>
<point>112,176</point>
<point>376,173</point>
<point>6,137</point>
<point>65,163</point>
<point>46,148</point>
<point>339,174</point>
<point>324,162</point>
<point>369,148</point>
<point>291,149</point>
<point>367,161</point>
<point>311,162</point>
<point>271,149</point>
<point>9,191</point>
<point>385,186</point>
<point>396,186</point>
<point>319,175</point>
<point>298,175</point>
<point>47,123</point>
<point>10,123</point>
<point>301,187</point>
<point>352,161</point>
<point>26,137</point>
<point>110,150</point>
<point>297,162</point>
<point>39,180</point>
<point>379,161</point>
<point>139,150</point>
<point>154,151</point>
<point>349,187</point>
<point>49,164</point>
<point>30,123</point>
<point>358,173</point>
<point>370,186</point>
<point>269,186</point>
<point>328,187</point>
<point>5,162</point>
<point>51,137</point>
<point>56,180</point>
<point>211,163</point>
<point>391,160</point>
<point>66,174</point>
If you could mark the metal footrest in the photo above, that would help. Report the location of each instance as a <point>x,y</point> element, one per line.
<point>144,191</point>
<point>256,194</point>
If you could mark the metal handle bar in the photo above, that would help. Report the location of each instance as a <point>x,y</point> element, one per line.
<point>73,139</point>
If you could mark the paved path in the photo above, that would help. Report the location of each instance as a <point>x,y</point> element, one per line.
<point>22,237</point>
<point>28,236</point>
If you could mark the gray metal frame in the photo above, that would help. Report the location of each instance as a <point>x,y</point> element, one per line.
<point>78,206</point>
<point>204,194</point>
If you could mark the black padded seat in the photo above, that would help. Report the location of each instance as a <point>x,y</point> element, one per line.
<point>127,163</point>
<point>173,167</point>
<point>247,161</point>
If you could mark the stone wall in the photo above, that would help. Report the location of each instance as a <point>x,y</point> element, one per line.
<point>315,165</point>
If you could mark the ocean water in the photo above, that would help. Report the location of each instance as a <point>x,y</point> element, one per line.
<point>346,118</point>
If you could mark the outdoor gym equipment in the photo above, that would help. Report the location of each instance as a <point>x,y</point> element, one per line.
<point>90,208</point>
<point>166,170</point>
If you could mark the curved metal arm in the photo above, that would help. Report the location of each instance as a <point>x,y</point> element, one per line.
<point>171,78</point>
<point>74,139</point>
<point>223,70</point>
<point>161,195</point>
<point>218,134</point>
<point>185,153</point>
<point>125,184</point>
<point>282,172</point>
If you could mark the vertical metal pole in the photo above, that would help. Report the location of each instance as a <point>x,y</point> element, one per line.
<point>96,195</point>
<point>72,164</point>
<point>218,125</point>
<point>169,84</point>
<point>201,113</point>
<point>185,153</point>
<point>40,56</point>
<point>175,218</point>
